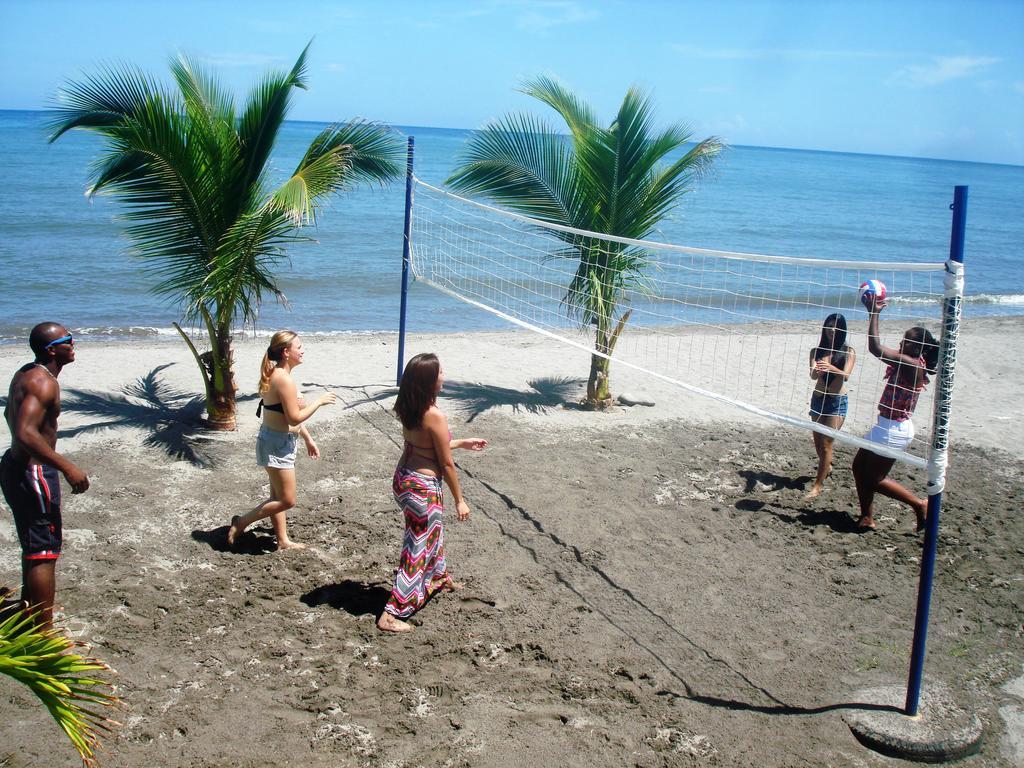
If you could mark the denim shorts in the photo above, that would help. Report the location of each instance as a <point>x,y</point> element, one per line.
<point>275,449</point>
<point>828,405</point>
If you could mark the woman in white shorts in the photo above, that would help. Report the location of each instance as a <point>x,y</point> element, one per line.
<point>906,377</point>
<point>283,415</point>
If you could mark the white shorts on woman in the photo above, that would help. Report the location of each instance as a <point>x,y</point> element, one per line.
<point>892,434</point>
<point>275,449</point>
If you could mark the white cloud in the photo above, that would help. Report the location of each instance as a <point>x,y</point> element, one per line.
<point>941,69</point>
<point>542,16</point>
<point>242,59</point>
<point>726,125</point>
<point>793,54</point>
<point>534,15</point>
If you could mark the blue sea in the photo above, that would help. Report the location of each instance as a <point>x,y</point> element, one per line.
<point>64,257</point>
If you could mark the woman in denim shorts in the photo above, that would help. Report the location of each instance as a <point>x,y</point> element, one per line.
<point>283,415</point>
<point>831,363</point>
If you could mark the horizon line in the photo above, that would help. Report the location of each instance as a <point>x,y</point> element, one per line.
<point>743,146</point>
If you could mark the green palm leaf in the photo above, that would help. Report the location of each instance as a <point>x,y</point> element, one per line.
<point>46,663</point>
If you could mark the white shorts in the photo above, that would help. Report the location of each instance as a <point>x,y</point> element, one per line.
<point>891,434</point>
<point>275,449</point>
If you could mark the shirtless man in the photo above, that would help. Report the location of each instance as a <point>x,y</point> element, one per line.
<point>29,469</point>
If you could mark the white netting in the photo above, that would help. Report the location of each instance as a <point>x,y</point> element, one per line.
<point>735,327</point>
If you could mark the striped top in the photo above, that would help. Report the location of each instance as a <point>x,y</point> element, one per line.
<point>899,398</point>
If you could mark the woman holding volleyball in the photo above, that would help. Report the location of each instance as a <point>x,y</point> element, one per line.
<point>831,364</point>
<point>906,377</point>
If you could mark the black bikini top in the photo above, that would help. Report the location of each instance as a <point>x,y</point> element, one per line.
<point>278,407</point>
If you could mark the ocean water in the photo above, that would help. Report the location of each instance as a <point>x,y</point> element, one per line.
<point>64,257</point>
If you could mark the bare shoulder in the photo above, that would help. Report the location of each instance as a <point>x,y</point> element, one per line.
<point>435,418</point>
<point>281,381</point>
<point>38,382</point>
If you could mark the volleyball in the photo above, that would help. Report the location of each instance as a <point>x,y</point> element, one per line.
<point>871,289</point>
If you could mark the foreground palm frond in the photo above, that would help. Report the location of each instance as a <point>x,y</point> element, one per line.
<point>44,660</point>
<point>618,180</point>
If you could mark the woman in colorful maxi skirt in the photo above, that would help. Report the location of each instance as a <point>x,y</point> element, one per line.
<point>426,459</point>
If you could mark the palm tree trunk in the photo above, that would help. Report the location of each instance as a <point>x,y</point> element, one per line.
<point>598,395</point>
<point>221,404</point>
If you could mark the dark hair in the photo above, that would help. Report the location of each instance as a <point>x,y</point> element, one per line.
<point>43,334</point>
<point>929,346</point>
<point>838,347</point>
<point>416,392</point>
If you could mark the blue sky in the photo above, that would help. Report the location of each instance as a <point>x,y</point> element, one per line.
<point>928,79</point>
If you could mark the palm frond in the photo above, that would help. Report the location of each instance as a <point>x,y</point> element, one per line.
<point>202,92</point>
<point>243,272</point>
<point>672,182</point>
<point>577,114</point>
<point>264,113</point>
<point>373,152</point>
<point>340,156</point>
<point>520,162</point>
<point>168,188</point>
<point>63,680</point>
<point>102,100</point>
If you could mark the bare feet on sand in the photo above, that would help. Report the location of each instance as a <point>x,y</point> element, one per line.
<point>814,493</point>
<point>234,531</point>
<point>865,524</point>
<point>289,544</point>
<point>452,586</point>
<point>389,623</point>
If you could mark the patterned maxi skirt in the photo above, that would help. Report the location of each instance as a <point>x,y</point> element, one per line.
<point>422,569</point>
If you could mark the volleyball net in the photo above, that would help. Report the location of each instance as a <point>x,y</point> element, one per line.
<point>734,327</point>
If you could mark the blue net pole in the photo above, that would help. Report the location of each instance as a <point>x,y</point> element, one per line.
<point>406,246</point>
<point>937,458</point>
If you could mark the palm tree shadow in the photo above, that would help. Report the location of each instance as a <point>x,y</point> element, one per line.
<point>172,417</point>
<point>549,392</point>
<point>476,399</point>
<point>353,597</point>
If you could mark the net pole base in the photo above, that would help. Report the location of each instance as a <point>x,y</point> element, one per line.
<point>944,730</point>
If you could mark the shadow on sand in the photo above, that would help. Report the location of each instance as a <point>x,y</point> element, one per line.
<point>774,482</point>
<point>472,400</point>
<point>353,597</point>
<point>255,541</point>
<point>172,417</point>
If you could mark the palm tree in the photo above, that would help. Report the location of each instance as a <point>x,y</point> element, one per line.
<point>45,661</point>
<point>201,210</point>
<point>616,181</point>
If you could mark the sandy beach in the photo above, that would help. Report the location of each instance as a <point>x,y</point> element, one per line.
<point>645,587</point>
